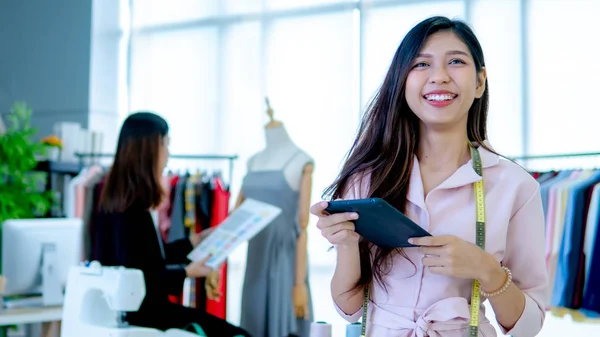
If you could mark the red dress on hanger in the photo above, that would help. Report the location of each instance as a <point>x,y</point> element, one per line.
<point>220,211</point>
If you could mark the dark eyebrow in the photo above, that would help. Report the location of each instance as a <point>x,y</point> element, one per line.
<point>451,52</point>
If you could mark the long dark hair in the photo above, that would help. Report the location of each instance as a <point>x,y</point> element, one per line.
<point>389,133</point>
<point>134,178</point>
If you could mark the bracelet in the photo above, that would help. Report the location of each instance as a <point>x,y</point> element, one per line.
<point>504,287</point>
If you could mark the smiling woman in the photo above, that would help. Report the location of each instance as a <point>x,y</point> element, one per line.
<point>422,147</point>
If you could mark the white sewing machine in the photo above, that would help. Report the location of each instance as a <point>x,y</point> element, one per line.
<point>96,299</point>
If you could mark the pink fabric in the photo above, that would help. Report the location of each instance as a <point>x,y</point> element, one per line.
<point>79,200</point>
<point>447,317</point>
<point>164,220</point>
<point>80,190</point>
<point>419,303</point>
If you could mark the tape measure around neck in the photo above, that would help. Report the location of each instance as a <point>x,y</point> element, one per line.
<point>479,240</point>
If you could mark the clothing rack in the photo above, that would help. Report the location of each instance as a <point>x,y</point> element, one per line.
<point>555,156</point>
<point>230,158</point>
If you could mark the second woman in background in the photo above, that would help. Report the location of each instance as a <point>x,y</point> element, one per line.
<point>127,230</point>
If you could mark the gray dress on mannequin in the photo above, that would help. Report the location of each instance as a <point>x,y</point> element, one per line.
<point>267,307</point>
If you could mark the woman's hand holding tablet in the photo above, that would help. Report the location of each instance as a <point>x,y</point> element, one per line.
<point>378,222</point>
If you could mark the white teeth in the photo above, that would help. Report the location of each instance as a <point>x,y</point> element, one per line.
<point>445,97</point>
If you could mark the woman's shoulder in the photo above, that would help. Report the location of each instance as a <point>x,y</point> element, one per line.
<point>511,170</point>
<point>515,180</point>
<point>506,174</point>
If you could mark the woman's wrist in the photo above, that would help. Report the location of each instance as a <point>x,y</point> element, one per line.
<point>493,277</point>
<point>347,247</point>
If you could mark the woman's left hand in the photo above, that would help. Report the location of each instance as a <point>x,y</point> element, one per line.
<point>453,256</point>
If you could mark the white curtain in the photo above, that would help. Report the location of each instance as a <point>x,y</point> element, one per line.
<point>502,51</point>
<point>174,74</point>
<point>564,70</point>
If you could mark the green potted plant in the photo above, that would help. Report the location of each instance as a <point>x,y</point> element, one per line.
<point>20,195</point>
<point>21,188</point>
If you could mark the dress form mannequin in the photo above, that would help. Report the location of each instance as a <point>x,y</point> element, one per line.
<point>280,160</point>
<point>276,155</point>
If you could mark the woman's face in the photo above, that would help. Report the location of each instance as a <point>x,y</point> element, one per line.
<point>443,82</point>
<point>163,152</point>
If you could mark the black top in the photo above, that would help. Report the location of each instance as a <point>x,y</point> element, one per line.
<point>130,239</point>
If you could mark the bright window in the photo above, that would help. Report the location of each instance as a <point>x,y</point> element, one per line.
<point>309,78</point>
<point>564,71</point>
<point>174,74</point>
<point>502,52</point>
<point>384,29</point>
<point>288,4</point>
<point>149,13</point>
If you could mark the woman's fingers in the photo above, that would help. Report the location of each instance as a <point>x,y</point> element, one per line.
<point>334,219</point>
<point>319,208</point>
<point>329,231</point>
<point>342,236</point>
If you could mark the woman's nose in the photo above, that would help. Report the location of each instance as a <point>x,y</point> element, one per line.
<point>439,75</point>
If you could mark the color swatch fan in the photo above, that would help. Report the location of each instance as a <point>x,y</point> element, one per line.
<point>240,226</point>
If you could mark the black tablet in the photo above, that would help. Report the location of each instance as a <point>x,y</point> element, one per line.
<point>379,222</point>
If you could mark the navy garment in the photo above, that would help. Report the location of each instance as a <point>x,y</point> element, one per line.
<point>130,239</point>
<point>177,230</point>
<point>591,295</point>
<point>571,246</point>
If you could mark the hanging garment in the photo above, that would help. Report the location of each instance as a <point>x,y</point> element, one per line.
<point>173,187</point>
<point>70,194</point>
<point>571,246</point>
<point>546,185</point>
<point>206,205</point>
<point>178,230</point>
<point>220,210</point>
<point>189,216</point>
<point>555,220</point>
<point>267,307</point>
<point>202,222</point>
<point>591,292</point>
<point>571,201</point>
<point>164,220</point>
<point>92,192</point>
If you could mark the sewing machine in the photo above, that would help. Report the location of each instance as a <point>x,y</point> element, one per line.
<point>96,299</point>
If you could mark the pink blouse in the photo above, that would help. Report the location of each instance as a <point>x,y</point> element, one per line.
<point>419,303</point>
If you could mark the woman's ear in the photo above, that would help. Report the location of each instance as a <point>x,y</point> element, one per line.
<point>481,77</point>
